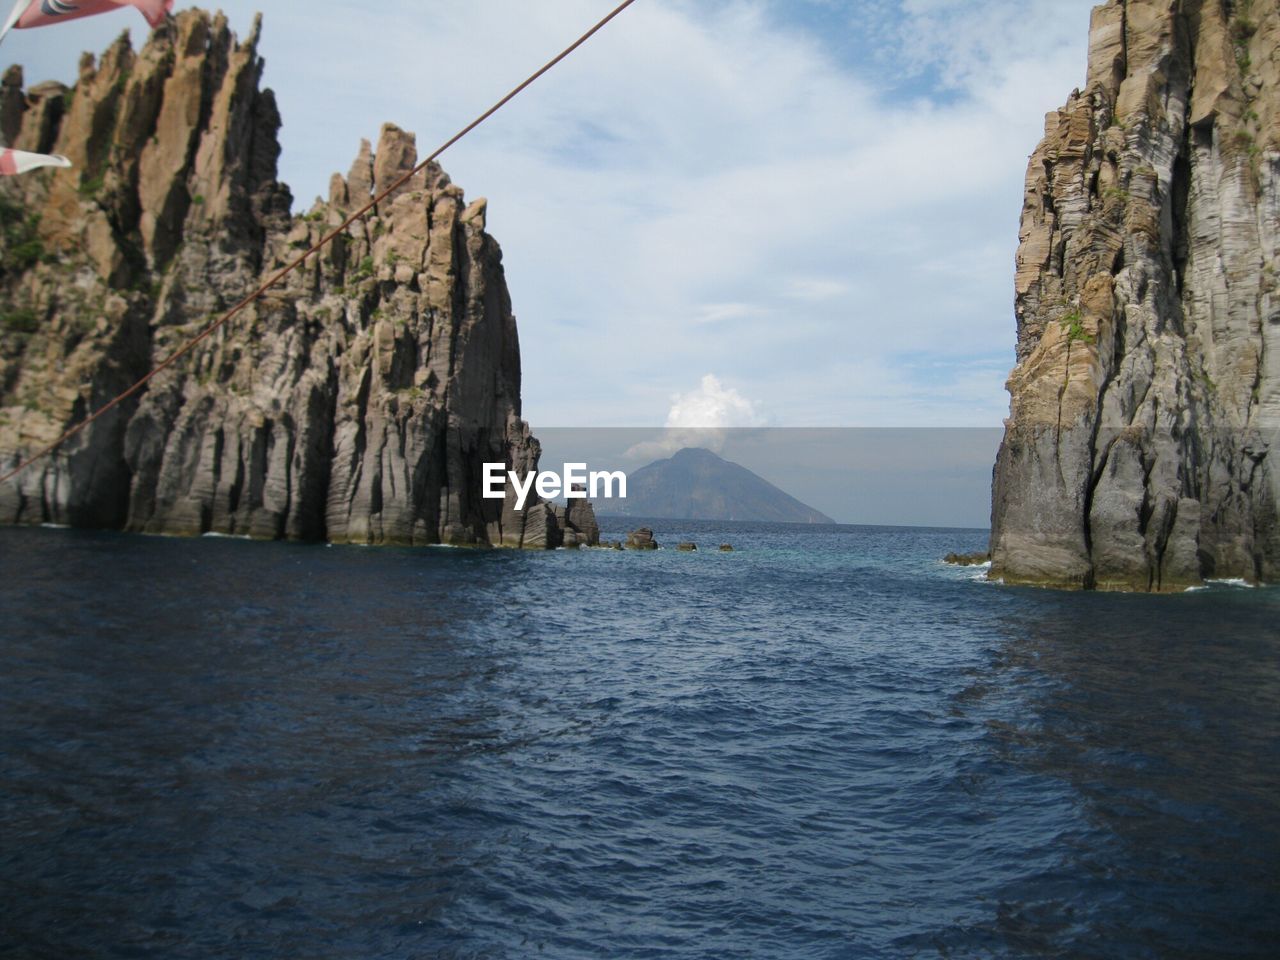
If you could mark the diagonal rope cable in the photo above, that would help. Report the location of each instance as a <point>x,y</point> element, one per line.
<point>320,244</point>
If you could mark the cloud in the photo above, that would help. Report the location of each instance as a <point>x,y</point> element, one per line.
<point>816,288</point>
<point>712,406</point>
<point>700,418</point>
<point>722,312</point>
<point>967,43</point>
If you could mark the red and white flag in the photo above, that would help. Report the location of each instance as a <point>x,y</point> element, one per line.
<point>42,13</point>
<point>19,161</point>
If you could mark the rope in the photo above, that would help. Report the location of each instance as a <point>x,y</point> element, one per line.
<point>319,245</point>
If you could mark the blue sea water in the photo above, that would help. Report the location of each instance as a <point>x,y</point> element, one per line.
<point>825,744</point>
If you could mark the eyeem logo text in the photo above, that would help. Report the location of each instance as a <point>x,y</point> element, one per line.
<point>574,483</point>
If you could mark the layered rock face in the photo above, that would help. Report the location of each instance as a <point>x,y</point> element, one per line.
<point>1141,449</point>
<point>355,402</point>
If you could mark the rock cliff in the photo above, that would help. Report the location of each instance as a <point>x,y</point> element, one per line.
<point>1141,448</point>
<point>356,402</point>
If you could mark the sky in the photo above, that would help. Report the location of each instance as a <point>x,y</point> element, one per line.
<point>718,213</point>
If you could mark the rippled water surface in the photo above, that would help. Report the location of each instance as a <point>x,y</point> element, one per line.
<point>823,745</point>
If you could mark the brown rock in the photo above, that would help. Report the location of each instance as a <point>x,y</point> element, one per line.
<point>967,559</point>
<point>397,154</point>
<point>641,539</point>
<point>580,516</point>
<point>337,406</point>
<point>541,531</point>
<point>360,177</point>
<point>338,198</point>
<point>13,104</point>
<point>45,105</point>
<point>1138,452</point>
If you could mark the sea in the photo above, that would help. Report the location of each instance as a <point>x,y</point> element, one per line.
<point>823,744</point>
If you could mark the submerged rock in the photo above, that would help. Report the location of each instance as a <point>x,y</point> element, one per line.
<point>1139,452</point>
<point>687,547</point>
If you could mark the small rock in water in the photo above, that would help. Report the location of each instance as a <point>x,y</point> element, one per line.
<point>726,548</point>
<point>641,539</point>
<point>967,559</point>
<point>687,547</point>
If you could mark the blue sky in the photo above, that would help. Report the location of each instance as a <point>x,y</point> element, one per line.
<point>749,212</point>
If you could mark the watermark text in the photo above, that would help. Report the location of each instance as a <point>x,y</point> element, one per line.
<point>575,483</point>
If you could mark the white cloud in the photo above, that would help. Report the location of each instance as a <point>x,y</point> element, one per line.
<point>816,288</point>
<point>700,418</point>
<point>712,406</point>
<point>722,312</point>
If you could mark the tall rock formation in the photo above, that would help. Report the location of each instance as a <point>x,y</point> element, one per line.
<point>356,402</point>
<point>1142,447</point>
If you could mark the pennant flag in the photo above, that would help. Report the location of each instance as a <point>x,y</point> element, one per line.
<point>41,13</point>
<point>19,161</point>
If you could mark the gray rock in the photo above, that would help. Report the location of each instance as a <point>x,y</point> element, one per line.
<point>355,402</point>
<point>1137,453</point>
<point>641,539</point>
<point>967,559</point>
<point>13,104</point>
<point>581,516</point>
<point>541,531</point>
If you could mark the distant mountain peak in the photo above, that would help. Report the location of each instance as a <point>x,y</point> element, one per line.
<point>698,453</point>
<point>695,483</point>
